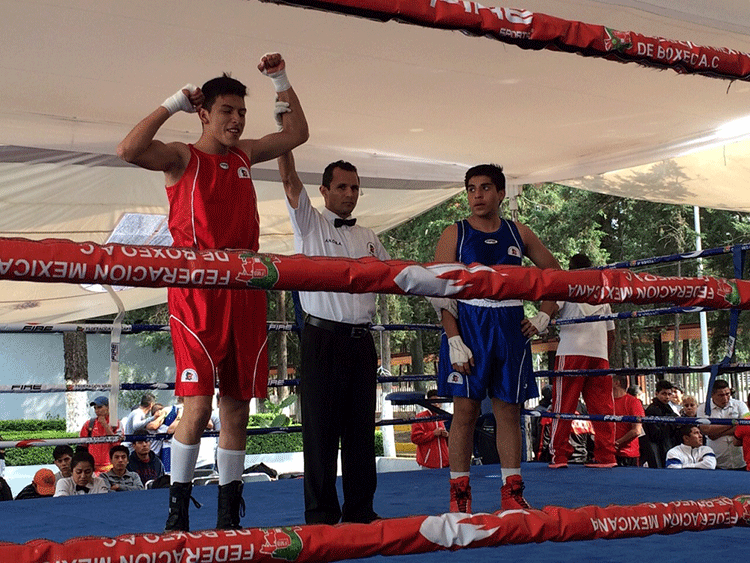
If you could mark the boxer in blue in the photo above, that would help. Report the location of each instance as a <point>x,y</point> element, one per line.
<point>485,349</point>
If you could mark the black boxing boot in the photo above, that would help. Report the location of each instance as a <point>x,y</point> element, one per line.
<point>231,506</point>
<point>179,504</point>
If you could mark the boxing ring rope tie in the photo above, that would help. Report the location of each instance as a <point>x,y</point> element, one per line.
<point>738,255</point>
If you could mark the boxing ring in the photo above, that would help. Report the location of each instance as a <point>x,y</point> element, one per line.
<point>643,503</point>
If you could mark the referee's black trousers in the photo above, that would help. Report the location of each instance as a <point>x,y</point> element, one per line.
<point>337,396</point>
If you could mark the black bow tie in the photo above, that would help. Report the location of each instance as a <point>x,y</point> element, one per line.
<point>82,488</point>
<point>340,222</point>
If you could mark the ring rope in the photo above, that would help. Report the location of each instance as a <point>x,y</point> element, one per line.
<point>677,257</point>
<point>40,388</point>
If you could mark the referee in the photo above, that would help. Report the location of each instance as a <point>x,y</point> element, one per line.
<point>339,362</point>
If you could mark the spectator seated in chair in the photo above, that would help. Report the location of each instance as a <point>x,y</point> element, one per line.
<point>42,486</point>
<point>691,454</point>
<point>119,478</point>
<point>82,481</point>
<point>143,461</point>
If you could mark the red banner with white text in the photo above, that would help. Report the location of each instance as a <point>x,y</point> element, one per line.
<point>532,30</point>
<point>398,536</point>
<point>56,261</point>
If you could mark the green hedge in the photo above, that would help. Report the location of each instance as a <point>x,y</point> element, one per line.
<point>291,442</point>
<point>274,443</point>
<point>259,419</point>
<point>32,455</point>
<point>25,426</point>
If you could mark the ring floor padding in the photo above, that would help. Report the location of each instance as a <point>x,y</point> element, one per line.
<point>419,492</point>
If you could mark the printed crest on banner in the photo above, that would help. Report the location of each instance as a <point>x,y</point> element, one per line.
<point>258,270</point>
<point>282,543</point>
<point>617,40</point>
<point>744,500</point>
<point>729,291</point>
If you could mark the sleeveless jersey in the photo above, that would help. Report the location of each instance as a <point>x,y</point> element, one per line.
<point>213,205</point>
<point>491,329</point>
<point>219,336</point>
<point>504,246</point>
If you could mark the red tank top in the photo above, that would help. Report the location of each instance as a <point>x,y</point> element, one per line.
<point>214,205</point>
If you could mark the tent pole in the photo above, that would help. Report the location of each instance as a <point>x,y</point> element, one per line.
<point>513,191</point>
<point>703,325</point>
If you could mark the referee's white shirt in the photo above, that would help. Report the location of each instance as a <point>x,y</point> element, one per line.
<point>315,235</point>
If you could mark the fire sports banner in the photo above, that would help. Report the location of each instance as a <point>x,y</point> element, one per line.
<point>416,534</point>
<point>57,261</point>
<point>530,30</point>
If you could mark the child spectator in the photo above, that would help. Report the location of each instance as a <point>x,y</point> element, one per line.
<point>431,439</point>
<point>689,406</point>
<point>100,426</point>
<point>691,454</point>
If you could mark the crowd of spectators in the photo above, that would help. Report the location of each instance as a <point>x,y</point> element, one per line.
<point>699,445</point>
<point>109,466</point>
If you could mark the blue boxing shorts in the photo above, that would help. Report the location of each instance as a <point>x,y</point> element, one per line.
<point>502,356</point>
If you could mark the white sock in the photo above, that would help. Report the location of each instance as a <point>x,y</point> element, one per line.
<point>184,458</point>
<point>508,472</point>
<point>457,474</point>
<point>231,464</point>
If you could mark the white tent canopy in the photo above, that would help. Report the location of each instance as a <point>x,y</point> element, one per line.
<point>411,107</point>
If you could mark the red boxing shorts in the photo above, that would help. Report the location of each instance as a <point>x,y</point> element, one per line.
<point>220,339</point>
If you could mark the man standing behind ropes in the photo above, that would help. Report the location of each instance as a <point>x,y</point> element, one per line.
<point>721,436</point>
<point>485,348</point>
<point>627,445</point>
<point>583,346</point>
<point>217,334</point>
<point>339,362</point>
<point>431,439</point>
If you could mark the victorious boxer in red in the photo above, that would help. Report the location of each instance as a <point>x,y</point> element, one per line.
<point>219,335</point>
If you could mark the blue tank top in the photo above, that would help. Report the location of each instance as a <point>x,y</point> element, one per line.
<point>504,246</point>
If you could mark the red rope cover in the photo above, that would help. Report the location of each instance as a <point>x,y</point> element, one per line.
<point>417,534</point>
<point>56,261</point>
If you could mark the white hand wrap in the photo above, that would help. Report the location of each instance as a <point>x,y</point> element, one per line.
<point>280,81</point>
<point>459,352</point>
<point>540,321</point>
<point>278,109</point>
<point>179,101</point>
<point>440,303</point>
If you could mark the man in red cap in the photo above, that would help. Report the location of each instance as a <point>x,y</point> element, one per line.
<point>100,426</point>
